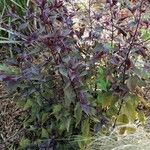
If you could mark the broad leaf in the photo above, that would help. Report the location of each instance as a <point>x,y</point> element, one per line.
<point>28,104</point>
<point>85,128</point>
<point>69,95</point>
<point>78,113</point>
<point>44,133</point>
<point>122,119</point>
<point>141,117</point>
<point>24,143</point>
<point>132,83</point>
<point>57,109</point>
<point>68,123</point>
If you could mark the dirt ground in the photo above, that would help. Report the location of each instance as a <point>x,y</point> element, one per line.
<point>11,129</point>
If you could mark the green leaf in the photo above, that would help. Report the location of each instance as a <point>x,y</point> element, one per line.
<point>106,102</point>
<point>45,117</point>
<point>62,127</point>
<point>85,128</point>
<point>98,47</point>
<point>80,142</point>
<point>130,110</point>
<point>102,84</point>
<point>35,109</point>
<point>3,67</point>
<point>68,122</point>
<point>63,72</point>
<point>109,47</point>
<point>122,119</point>
<point>39,100</point>
<point>28,104</point>
<point>69,95</point>
<point>132,83</point>
<point>24,143</point>
<point>96,120</point>
<point>130,130</point>
<point>145,34</point>
<point>141,117</point>
<point>113,110</point>
<point>100,98</point>
<point>78,113</point>
<point>57,108</point>
<point>101,79</point>
<point>20,103</point>
<point>122,130</point>
<point>44,133</point>
<point>8,70</point>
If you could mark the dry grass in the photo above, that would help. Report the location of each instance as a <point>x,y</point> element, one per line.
<point>139,140</point>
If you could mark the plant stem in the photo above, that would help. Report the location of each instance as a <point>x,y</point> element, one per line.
<point>132,41</point>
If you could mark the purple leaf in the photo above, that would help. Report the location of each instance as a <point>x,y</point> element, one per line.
<point>72,74</point>
<point>86,108</point>
<point>31,72</point>
<point>23,58</point>
<point>12,62</point>
<point>41,3</point>
<point>9,81</point>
